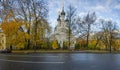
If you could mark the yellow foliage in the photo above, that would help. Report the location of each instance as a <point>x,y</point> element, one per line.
<point>92,42</point>
<point>20,46</point>
<point>14,36</point>
<point>116,44</point>
<point>27,36</point>
<point>10,27</point>
<point>54,44</point>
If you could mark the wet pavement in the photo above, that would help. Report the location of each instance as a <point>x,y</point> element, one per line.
<point>60,61</point>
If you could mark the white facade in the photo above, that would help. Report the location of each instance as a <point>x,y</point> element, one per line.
<point>2,41</point>
<point>61,31</point>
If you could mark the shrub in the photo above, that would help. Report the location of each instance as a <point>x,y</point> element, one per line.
<point>54,44</point>
<point>77,46</point>
<point>65,46</point>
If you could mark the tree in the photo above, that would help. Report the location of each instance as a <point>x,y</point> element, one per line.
<point>82,26</point>
<point>11,24</point>
<point>97,37</point>
<point>11,30</point>
<point>6,9</point>
<point>33,12</point>
<point>108,27</point>
<point>89,20</point>
<point>71,13</point>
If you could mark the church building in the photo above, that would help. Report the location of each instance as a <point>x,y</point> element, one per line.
<point>61,31</point>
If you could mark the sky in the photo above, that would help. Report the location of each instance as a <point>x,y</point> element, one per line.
<point>107,9</point>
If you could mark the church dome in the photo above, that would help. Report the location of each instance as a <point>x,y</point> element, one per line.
<point>63,13</point>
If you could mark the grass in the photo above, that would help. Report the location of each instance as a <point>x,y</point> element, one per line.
<point>62,51</point>
<point>40,51</point>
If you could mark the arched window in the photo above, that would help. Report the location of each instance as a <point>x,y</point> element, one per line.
<point>2,41</point>
<point>2,35</point>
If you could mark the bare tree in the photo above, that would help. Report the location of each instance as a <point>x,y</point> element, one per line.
<point>89,20</point>
<point>71,13</point>
<point>82,27</point>
<point>108,27</point>
<point>6,9</point>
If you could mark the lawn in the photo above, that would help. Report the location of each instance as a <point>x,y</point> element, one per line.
<point>61,51</point>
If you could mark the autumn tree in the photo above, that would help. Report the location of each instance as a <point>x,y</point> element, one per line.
<point>33,12</point>
<point>13,34</point>
<point>11,24</point>
<point>42,29</point>
<point>97,38</point>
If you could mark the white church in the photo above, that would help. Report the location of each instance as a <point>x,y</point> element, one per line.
<point>61,31</point>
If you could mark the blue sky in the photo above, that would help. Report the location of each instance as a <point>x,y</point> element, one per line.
<point>107,9</point>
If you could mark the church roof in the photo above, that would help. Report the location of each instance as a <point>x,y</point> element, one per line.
<point>63,13</point>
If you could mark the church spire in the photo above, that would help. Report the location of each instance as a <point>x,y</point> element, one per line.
<point>63,5</point>
<point>63,13</point>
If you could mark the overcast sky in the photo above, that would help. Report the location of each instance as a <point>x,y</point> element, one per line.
<point>108,9</point>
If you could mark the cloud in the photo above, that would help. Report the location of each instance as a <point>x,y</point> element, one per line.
<point>53,23</point>
<point>117,7</point>
<point>82,14</point>
<point>99,8</point>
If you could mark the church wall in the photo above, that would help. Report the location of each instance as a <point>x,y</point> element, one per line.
<point>2,41</point>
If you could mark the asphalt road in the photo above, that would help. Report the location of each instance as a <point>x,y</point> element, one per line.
<point>60,61</point>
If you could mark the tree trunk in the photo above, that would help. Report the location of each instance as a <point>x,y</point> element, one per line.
<point>87,43</point>
<point>28,42</point>
<point>110,44</point>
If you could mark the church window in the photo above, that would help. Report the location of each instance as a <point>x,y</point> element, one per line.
<point>2,35</point>
<point>2,41</point>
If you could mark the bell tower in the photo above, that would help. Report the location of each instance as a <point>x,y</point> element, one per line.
<point>62,13</point>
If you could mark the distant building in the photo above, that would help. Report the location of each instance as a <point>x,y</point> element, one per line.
<point>61,31</point>
<point>2,40</point>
